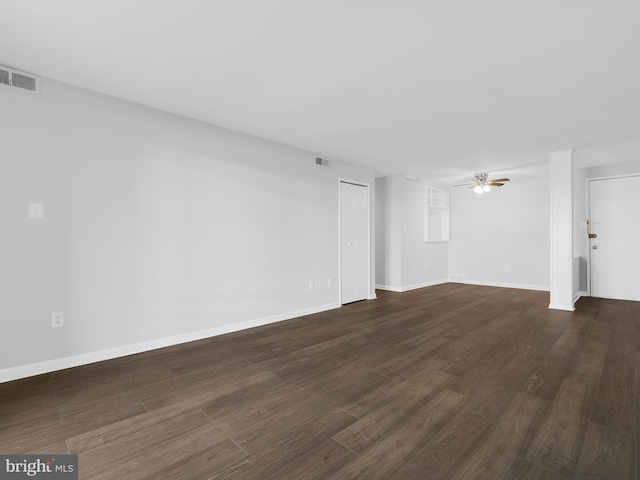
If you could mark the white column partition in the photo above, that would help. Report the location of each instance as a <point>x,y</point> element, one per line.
<point>561,172</point>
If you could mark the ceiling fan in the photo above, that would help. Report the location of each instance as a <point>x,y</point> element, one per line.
<point>482,184</point>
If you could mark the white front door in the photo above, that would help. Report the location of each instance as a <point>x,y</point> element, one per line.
<point>614,209</point>
<point>354,242</point>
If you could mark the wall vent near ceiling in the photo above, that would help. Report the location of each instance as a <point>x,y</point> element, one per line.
<point>322,162</point>
<point>19,81</point>
<point>4,77</point>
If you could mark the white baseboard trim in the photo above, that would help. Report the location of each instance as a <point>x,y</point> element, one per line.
<point>567,308</point>
<point>39,368</point>
<point>411,287</point>
<point>425,284</point>
<point>392,288</point>
<point>507,285</point>
<point>579,294</point>
<point>388,288</point>
<point>372,296</point>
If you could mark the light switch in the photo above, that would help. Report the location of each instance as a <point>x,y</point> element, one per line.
<point>36,211</point>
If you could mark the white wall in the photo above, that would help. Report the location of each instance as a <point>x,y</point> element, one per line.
<point>410,263</point>
<point>507,226</point>
<point>561,295</point>
<point>579,232</point>
<point>627,168</point>
<point>388,229</point>
<point>155,227</point>
<point>422,263</point>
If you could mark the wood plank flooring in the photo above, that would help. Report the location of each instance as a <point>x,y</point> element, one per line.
<point>446,382</point>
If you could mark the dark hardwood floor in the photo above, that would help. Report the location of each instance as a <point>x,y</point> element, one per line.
<point>446,382</point>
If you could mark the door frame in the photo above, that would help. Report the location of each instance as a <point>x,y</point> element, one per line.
<point>368,187</point>
<point>589,180</point>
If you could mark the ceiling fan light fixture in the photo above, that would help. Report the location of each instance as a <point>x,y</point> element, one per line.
<point>481,183</point>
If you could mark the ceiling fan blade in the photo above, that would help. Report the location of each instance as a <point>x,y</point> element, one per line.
<point>495,184</point>
<point>463,184</point>
<point>499,180</point>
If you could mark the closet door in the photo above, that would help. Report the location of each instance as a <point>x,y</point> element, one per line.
<point>354,242</point>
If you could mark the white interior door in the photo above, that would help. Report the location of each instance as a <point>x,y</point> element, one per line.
<point>614,208</point>
<point>354,242</point>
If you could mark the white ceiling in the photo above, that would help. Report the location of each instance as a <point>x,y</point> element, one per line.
<point>432,88</point>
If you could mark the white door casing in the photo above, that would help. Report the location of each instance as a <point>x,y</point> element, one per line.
<point>614,215</point>
<point>354,242</point>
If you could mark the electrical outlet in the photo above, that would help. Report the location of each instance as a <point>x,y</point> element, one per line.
<point>311,284</point>
<point>329,282</point>
<point>57,319</point>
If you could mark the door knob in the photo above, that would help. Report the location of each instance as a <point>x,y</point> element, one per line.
<point>595,247</point>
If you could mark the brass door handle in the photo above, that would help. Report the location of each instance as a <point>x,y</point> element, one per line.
<point>589,234</point>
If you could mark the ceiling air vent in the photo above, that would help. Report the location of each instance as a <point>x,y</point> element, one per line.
<point>19,81</point>
<point>322,162</point>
